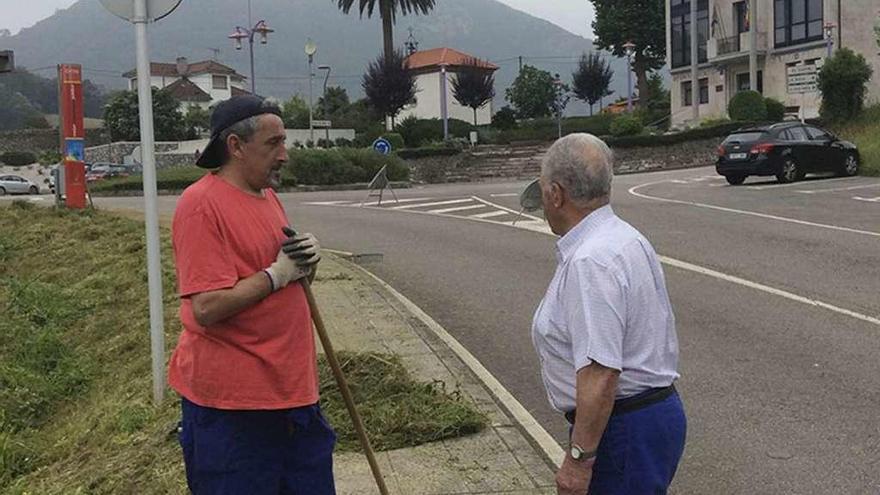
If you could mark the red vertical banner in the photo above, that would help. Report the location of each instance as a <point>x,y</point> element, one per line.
<point>72,133</point>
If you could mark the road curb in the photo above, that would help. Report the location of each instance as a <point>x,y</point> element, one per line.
<point>536,434</point>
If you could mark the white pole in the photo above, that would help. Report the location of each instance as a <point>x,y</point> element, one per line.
<point>311,125</point>
<point>444,111</point>
<point>695,61</point>
<point>154,272</point>
<point>753,48</point>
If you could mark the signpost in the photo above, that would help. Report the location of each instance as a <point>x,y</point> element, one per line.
<point>70,101</point>
<point>380,182</point>
<point>803,79</point>
<point>140,13</point>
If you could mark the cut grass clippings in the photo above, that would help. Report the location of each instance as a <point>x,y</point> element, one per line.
<point>75,384</point>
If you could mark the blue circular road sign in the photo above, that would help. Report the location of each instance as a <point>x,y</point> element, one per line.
<point>382,146</point>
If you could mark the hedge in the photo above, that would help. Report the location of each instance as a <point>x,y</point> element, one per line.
<point>679,137</point>
<point>427,152</point>
<point>18,158</point>
<point>169,179</point>
<point>342,166</point>
<point>546,129</point>
<point>418,132</point>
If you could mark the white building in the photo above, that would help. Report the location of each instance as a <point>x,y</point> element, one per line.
<point>791,46</point>
<point>201,83</point>
<point>428,66</point>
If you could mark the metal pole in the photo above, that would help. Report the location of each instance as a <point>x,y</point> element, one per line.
<point>695,62</point>
<point>326,112</point>
<point>629,83</point>
<point>253,78</point>
<point>444,112</point>
<point>753,45</point>
<point>154,272</point>
<point>311,126</point>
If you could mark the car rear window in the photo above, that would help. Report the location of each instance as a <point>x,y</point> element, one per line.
<point>745,137</point>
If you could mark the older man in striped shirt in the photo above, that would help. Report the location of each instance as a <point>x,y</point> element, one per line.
<point>605,334</point>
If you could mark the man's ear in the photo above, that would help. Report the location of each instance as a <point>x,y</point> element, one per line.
<point>557,195</point>
<point>234,145</point>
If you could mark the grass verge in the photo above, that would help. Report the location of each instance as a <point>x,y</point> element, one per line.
<point>75,387</point>
<point>865,133</point>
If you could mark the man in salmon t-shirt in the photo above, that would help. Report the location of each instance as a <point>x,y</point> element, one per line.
<point>245,364</point>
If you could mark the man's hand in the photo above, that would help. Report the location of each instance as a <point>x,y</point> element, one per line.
<point>573,478</point>
<point>286,270</point>
<point>303,248</point>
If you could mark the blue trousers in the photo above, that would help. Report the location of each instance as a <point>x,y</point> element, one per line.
<point>283,452</point>
<point>640,450</point>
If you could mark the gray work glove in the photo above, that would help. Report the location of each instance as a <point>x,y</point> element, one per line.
<point>303,248</point>
<point>286,270</point>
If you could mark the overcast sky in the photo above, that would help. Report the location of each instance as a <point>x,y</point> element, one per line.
<point>573,15</point>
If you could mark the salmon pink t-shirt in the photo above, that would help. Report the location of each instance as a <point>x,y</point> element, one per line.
<point>264,356</point>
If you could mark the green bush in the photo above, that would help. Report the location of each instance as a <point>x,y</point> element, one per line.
<point>504,119</point>
<point>18,158</point>
<point>50,157</point>
<point>428,151</point>
<point>395,139</point>
<point>718,131</point>
<point>747,106</point>
<point>842,82</point>
<point>419,132</point>
<point>775,110</point>
<point>343,166</point>
<point>343,143</point>
<point>546,129</point>
<point>626,125</point>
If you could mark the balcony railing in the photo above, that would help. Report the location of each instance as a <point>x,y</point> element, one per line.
<point>740,44</point>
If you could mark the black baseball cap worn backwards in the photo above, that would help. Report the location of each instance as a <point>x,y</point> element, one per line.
<point>226,114</point>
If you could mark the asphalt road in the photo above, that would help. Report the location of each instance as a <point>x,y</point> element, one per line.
<point>775,290</point>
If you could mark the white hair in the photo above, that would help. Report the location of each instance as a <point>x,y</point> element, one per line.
<point>582,164</point>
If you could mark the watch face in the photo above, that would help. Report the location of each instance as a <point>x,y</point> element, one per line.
<point>576,453</point>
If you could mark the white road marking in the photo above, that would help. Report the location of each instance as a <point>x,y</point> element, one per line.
<point>435,203</point>
<point>870,200</point>
<point>633,191</point>
<point>458,208</point>
<point>328,203</point>
<point>490,214</point>
<point>838,189</point>
<point>766,288</point>
<point>493,205</point>
<point>503,195</point>
<point>386,201</point>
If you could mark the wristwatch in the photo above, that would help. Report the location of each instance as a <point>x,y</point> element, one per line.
<point>579,454</point>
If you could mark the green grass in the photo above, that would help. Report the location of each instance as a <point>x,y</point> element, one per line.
<point>865,133</point>
<point>75,384</point>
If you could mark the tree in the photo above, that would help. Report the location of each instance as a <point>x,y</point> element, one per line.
<point>122,120</point>
<point>295,113</point>
<point>842,82</point>
<point>642,22</point>
<point>561,96</point>
<point>197,120</point>
<point>388,10</point>
<point>532,93</point>
<point>389,85</point>
<point>333,103</point>
<point>473,85</point>
<point>592,79</point>
<point>16,112</point>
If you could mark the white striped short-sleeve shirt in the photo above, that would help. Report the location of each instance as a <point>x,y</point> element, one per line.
<point>607,303</point>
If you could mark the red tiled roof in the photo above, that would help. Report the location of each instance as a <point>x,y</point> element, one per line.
<point>436,57</point>
<point>186,91</point>
<point>160,69</point>
<point>239,91</point>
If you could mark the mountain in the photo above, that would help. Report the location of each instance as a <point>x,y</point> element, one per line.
<point>87,34</point>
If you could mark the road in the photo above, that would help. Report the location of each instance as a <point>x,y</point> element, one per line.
<point>775,290</point>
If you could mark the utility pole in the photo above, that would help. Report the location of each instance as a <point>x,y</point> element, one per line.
<point>753,45</point>
<point>520,64</point>
<point>695,61</point>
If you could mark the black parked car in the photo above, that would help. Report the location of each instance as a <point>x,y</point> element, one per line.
<point>789,151</point>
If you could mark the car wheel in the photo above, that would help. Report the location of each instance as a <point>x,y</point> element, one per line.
<point>790,171</point>
<point>735,180</point>
<point>850,165</point>
<point>2,191</point>
<point>34,190</point>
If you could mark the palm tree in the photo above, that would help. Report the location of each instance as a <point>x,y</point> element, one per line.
<point>388,11</point>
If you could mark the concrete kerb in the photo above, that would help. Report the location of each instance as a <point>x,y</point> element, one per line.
<point>536,434</point>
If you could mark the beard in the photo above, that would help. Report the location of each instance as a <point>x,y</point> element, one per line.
<point>274,180</point>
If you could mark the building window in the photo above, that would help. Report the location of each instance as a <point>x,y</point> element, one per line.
<point>219,82</point>
<point>797,21</point>
<point>680,29</point>
<point>704,91</point>
<point>687,93</point>
<point>743,83</point>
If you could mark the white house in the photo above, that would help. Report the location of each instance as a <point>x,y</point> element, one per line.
<point>791,45</point>
<point>201,83</point>
<point>428,65</point>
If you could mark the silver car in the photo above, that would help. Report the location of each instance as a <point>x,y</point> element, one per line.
<point>13,184</point>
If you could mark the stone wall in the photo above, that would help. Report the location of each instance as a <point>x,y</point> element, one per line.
<point>40,140</point>
<point>512,163</point>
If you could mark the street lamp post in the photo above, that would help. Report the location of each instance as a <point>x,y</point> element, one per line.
<point>829,37</point>
<point>324,97</point>
<point>240,33</point>
<point>630,49</point>
<point>311,49</point>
